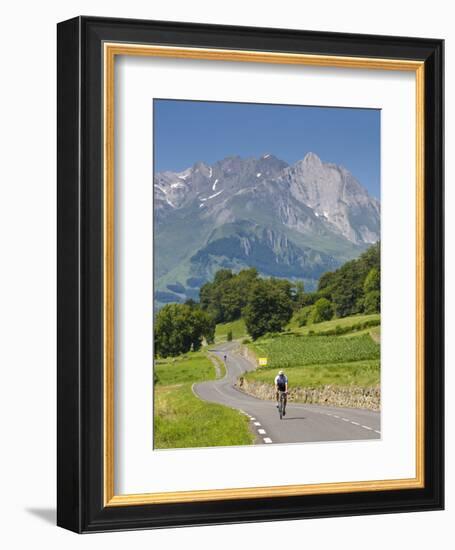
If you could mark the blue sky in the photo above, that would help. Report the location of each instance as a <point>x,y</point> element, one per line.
<point>190,131</point>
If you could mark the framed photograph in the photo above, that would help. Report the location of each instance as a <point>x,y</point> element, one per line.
<point>250,274</point>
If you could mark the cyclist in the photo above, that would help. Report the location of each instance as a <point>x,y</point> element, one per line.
<point>281,384</point>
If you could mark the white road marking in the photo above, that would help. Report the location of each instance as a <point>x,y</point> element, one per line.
<point>261,431</point>
<point>335,416</point>
<point>346,419</point>
<point>252,418</point>
<point>355,423</point>
<point>367,427</point>
<point>257,423</point>
<point>377,431</point>
<point>267,440</point>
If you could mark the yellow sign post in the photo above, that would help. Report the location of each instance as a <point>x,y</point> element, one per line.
<point>262,361</point>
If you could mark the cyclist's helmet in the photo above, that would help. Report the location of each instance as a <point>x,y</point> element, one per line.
<point>281,372</point>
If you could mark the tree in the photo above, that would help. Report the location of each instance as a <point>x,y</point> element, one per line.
<point>304,315</point>
<point>372,281</point>
<point>322,311</point>
<point>269,307</point>
<point>298,294</point>
<point>372,302</point>
<point>200,325</point>
<point>226,296</point>
<point>347,286</point>
<point>326,280</point>
<point>309,298</point>
<point>180,328</point>
<point>171,330</point>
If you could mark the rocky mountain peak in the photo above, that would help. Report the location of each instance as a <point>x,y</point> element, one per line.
<point>311,159</point>
<point>287,221</point>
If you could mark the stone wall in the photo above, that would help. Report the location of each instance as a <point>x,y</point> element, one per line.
<point>246,352</point>
<point>335,396</point>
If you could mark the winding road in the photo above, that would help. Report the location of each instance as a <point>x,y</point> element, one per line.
<point>302,423</point>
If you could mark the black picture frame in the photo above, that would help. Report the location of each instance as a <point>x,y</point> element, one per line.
<point>80,473</point>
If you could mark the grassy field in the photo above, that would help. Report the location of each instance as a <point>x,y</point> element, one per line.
<point>351,322</point>
<point>181,419</point>
<point>237,327</point>
<point>316,360</point>
<point>357,373</point>
<point>192,367</point>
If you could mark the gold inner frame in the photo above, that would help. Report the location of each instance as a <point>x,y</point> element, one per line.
<point>110,51</point>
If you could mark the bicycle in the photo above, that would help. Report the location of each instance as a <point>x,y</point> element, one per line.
<point>282,404</point>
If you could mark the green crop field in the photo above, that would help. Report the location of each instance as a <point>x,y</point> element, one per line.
<point>294,350</point>
<point>181,419</point>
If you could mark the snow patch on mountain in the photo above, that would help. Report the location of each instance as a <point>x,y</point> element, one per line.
<point>215,195</point>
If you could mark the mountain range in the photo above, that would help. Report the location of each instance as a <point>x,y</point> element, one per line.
<point>294,221</point>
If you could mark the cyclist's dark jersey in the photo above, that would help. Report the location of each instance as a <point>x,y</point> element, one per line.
<point>281,382</point>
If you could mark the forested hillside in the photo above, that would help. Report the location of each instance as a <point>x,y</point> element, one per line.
<point>267,304</point>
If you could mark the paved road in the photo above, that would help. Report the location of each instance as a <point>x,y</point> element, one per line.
<point>301,423</point>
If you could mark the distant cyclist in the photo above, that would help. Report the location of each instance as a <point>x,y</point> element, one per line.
<point>281,385</point>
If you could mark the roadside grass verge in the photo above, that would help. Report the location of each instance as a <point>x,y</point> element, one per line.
<point>237,327</point>
<point>219,363</point>
<point>182,420</point>
<point>287,350</point>
<point>357,373</point>
<point>192,367</point>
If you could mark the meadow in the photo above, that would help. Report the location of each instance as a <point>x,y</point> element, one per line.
<point>237,328</point>
<point>353,324</point>
<point>181,419</point>
<point>355,373</point>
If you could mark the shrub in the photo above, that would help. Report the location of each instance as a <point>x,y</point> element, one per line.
<point>304,315</point>
<point>229,336</point>
<point>372,302</point>
<point>372,281</point>
<point>322,311</point>
<point>308,298</point>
